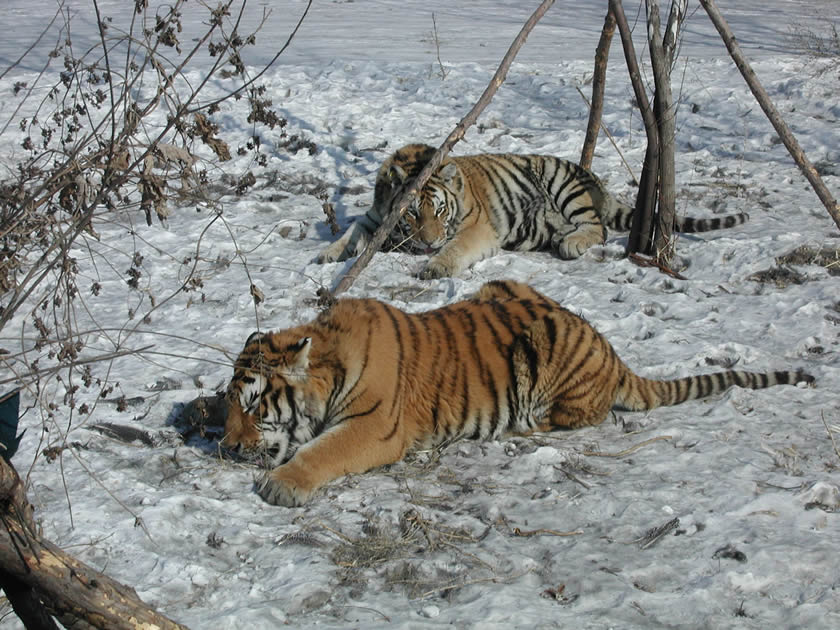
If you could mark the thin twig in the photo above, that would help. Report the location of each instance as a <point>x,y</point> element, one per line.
<point>627,451</point>
<point>369,609</point>
<point>270,63</point>
<point>830,434</point>
<point>644,261</point>
<point>544,532</point>
<point>573,477</point>
<point>344,537</point>
<point>97,359</point>
<point>437,47</point>
<point>494,579</point>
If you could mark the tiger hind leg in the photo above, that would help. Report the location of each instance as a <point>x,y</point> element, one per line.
<point>566,374</point>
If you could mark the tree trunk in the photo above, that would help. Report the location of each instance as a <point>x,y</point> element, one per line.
<point>663,107</point>
<point>40,571</point>
<point>412,190</point>
<point>641,231</point>
<point>772,113</point>
<point>26,604</point>
<point>596,109</point>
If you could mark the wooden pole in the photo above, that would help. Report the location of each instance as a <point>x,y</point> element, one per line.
<point>771,112</point>
<point>412,190</point>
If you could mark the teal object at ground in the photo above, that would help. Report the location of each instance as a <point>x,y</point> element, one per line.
<point>9,408</point>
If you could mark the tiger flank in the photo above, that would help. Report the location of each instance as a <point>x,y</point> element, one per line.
<point>363,383</point>
<point>475,205</point>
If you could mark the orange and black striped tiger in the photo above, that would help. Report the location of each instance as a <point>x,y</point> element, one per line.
<point>365,382</point>
<point>475,205</point>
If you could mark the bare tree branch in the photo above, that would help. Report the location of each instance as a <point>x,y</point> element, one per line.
<point>602,54</point>
<point>641,230</point>
<point>34,44</point>
<point>772,113</point>
<point>672,31</point>
<point>413,189</point>
<point>663,107</point>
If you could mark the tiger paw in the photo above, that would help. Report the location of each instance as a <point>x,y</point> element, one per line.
<point>434,270</point>
<point>274,488</point>
<point>328,255</point>
<point>574,245</point>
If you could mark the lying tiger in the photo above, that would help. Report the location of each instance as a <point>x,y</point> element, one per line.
<point>475,205</point>
<point>364,383</point>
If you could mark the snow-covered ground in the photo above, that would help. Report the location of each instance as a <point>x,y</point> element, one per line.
<point>470,537</point>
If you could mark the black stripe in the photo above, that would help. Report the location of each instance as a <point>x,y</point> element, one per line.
<point>436,414</point>
<point>720,377</point>
<point>572,196</point>
<point>465,400</point>
<point>367,412</point>
<point>290,400</point>
<point>533,359</point>
<point>706,382</point>
<point>569,180</point>
<point>551,331</point>
<point>391,313</point>
<point>570,349</point>
<point>494,180</point>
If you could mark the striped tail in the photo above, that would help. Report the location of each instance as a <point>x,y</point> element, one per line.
<point>621,218</point>
<point>636,393</point>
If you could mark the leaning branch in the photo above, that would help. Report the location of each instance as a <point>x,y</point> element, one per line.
<point>772,113</point>
<point>411,191</point>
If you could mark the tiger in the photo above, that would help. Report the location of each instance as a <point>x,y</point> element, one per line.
<point>364,383</point>
<point>475,205</point>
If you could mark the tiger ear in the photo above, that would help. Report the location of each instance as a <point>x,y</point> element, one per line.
<point>252,337</point>
<point>448,172</point>
<point>299,356</point>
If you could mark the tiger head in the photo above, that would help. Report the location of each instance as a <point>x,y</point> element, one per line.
<point>431,218</point>
<point>268,411</point>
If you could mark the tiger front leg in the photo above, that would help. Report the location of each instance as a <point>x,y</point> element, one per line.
<point>351,243</point>
<point>351,447</point>
<point>572,240</point>
<point>467,247</point>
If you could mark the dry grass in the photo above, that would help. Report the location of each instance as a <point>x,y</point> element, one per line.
<point>418,555</point>
<point>783,275</point>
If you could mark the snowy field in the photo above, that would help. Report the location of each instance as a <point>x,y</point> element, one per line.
<point>551,531</point>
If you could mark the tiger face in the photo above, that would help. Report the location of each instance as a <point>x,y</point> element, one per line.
<point>432,217</point>
<point>269,426</point>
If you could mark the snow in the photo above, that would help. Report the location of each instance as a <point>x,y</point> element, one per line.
<point>752,476</point>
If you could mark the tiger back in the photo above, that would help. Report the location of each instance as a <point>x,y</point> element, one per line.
<point>475,205</point>
<point>364,383</point>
